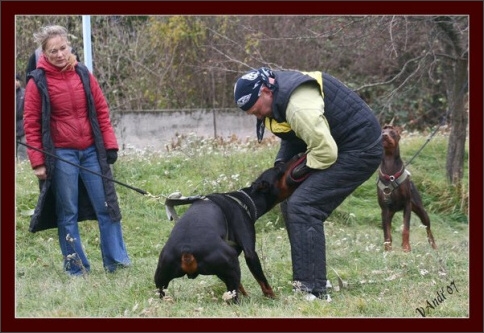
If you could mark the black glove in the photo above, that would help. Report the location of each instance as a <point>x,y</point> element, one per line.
<point>111,155</point>
<point>299,171</point>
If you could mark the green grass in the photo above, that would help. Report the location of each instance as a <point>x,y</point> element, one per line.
<point>376,283</point>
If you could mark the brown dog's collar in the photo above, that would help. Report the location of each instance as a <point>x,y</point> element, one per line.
<point>392,178</point>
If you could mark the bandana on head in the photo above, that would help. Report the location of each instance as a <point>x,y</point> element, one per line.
<point>247,89</point>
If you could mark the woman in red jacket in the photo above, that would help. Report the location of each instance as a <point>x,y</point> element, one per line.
<point>66,115</point>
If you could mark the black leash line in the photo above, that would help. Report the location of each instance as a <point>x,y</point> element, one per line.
<point>428,139</point>
<point>86,169</point>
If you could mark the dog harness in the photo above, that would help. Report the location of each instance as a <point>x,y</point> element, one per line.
<point>176,199</point>
<point>388,183</point>
<point>220,200</point>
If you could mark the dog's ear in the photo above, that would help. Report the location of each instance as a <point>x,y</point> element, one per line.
<point>280,169</point>
<point>264,186</point>
<point>269,176</point>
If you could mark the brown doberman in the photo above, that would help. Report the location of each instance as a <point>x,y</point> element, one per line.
<point>396,192</point>
<point>217,228</point>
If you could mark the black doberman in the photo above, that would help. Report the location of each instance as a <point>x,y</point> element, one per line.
<point>396,192</point>
<point>215,229</point>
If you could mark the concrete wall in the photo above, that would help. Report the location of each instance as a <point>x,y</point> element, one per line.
<point>140,129</point>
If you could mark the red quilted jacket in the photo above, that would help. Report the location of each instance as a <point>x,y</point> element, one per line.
<point>70,126</point>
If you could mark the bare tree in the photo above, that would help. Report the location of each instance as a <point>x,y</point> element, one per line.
<point>454,37</point>
<point>411,68</point>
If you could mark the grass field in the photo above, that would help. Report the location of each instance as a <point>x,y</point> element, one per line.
<point>367,281</point>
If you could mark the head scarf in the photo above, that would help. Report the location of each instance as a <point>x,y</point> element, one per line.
<point>247,89</point>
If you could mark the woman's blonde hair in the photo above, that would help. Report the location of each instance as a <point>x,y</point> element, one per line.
<point>45,33</point>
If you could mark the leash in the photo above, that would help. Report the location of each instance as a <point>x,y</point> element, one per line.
<point>426,142</point>
<point>171,200</point>
<point>88,170</point>
<point>442,121</point>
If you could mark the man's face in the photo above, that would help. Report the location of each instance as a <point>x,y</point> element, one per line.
<point>263,107</point>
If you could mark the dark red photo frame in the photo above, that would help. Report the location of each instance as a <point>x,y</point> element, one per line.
<point>9,9</point>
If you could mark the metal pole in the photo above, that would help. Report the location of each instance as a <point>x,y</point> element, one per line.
<point>86,32</point>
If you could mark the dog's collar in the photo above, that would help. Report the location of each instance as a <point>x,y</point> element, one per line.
<point>391,178</point>
<point>256,214</point>
<point>252,216</point>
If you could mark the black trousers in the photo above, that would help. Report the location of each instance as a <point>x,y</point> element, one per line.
<point>311,204</point>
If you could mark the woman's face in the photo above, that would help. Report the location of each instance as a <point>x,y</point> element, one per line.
<point>57,51</point>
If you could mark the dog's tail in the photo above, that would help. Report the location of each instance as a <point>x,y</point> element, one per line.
<point>189,264</point>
